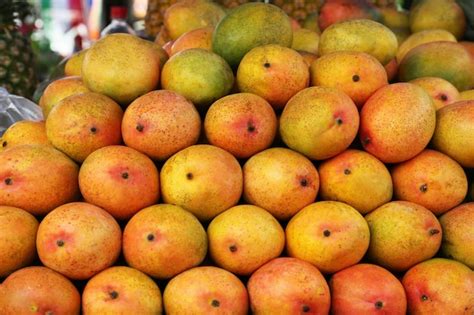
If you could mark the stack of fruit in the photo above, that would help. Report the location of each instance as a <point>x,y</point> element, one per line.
<point>242,175</point>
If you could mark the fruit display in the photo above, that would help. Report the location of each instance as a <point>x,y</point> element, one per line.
<point>250,164</point>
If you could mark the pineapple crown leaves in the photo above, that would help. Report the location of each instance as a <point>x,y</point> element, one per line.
<point>12,11</point>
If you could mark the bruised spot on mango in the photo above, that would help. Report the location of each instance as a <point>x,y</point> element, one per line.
<point>424,188</point>
<point>59,240</point>
<point>251,127</point>
<point>110,293</point>
<point>366,141</point>
<point>304,182</point>
<point>434,231</point>
<point>140,127</point>
<point>443,97</point>
<point>154,236</point>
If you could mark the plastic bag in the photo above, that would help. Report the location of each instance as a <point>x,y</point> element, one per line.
<point>14,108</point>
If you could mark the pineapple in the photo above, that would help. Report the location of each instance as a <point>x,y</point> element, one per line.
<point>154,15</point>
<point>17,73</point>
<point>298,9</point>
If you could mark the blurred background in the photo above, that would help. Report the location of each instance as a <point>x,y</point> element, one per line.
<point>60,28</point>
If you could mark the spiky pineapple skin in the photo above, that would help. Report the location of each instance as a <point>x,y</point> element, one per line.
<point>17,73</point>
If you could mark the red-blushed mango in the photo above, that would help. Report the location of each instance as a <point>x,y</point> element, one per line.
<point>78,240</point>
<point>469,47</point>
<point>167,47</point>
<point>17,239</point>
<point>121,290</point>
<point>242,124</point>
<point>441,91</point>
<point>305,40</point>
<point>189,15</point>
<point>288,285</point>
<point>402,234</point>
<point>281,181</point>
<point>248,26</point>
<point>438,14</point>
<point>446,60</point>
<point>83,123</point>
<point>119,179</point>
<point>265,70</point>
<point>24,132</point>
<point>329,234</point>
<point>197,38</point>
<point>58,90</point>
<point>163,241</point>
<point>37,178</point>
<point>458,240</point>
<point>30,291</point>
<point>160,123</point>
<point>319,122</point>
<point>358,35</point>
<point>423,37</point>
<point>357,74</point>
<point>73,66</point>
<point>392,70</point>
<point>334,11</point>
<point>133,71</point>
<point>356,178</point>
<point>432,180</point>
<point>243,238</point>
<point>295,25</point>
<point>467,95</point>
<point>367,289</point>
<point>439,286</point>
<point>397,122</point>
<point>203,179</point>
<point>206,290</point>
<point>199,75</point>
<point>454,134</point>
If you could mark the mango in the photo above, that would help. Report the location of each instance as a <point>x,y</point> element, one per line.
<point>446,60</point>
<point>358,35</point>
<point>441,14</point>
<point>248,26</point>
